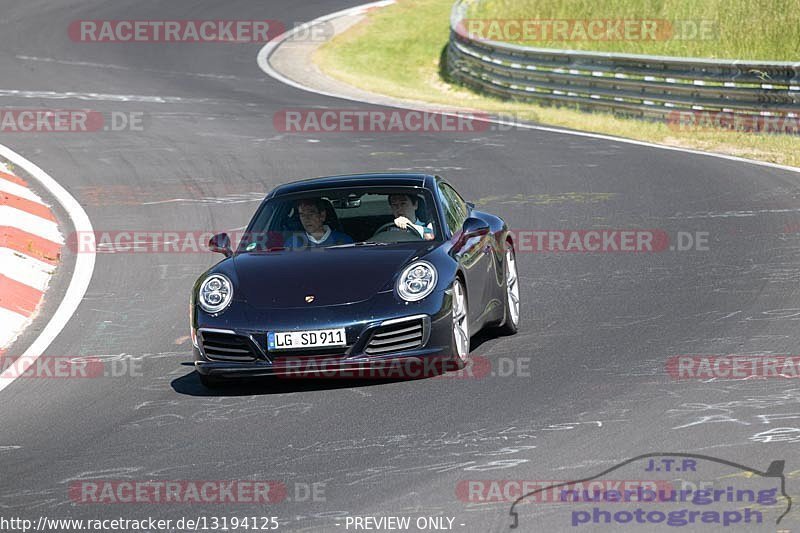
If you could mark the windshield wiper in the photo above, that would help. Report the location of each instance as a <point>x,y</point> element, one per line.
<point>258,250</point>
<point>362,243</point>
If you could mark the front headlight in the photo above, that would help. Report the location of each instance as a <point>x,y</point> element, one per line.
<point>215,293</point>
<point>417,281</point>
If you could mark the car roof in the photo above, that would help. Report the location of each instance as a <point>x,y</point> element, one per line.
<point>353,180</point>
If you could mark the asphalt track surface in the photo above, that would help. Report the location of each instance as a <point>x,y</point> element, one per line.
<point>596,328</point>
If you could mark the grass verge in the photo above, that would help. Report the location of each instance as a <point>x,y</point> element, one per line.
<point>411,36</point>
<point>735,29</point>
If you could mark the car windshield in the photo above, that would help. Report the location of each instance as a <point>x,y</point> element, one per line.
<point>343,218</point>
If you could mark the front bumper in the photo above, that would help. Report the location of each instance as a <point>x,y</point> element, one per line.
<point>362,322</point>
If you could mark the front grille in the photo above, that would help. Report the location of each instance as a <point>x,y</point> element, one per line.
<point>219,346</point>
<point>405,335</point>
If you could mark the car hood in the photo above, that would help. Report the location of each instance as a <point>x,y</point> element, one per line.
<point>334,276</point>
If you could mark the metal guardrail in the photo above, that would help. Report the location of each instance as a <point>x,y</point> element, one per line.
<point>641,85</point>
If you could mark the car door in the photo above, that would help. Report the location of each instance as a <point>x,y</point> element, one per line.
<point>472,255</point>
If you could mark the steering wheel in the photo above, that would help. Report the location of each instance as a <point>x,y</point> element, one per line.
<point>390,225</point>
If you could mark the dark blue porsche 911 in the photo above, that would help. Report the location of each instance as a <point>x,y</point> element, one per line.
<point>354,270</point>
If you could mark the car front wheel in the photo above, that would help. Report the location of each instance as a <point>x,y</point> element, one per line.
<point>511,322</point>
<point>460,325</point>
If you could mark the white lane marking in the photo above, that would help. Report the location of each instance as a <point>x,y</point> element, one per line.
<point>240,198</point>
<point>47,229</point>
<point>121,67</point>
<point>733,214</point>
<point>81,277</point>
<point>53,95</point>
<point>13,325</point>
<point>268,49</point>
<point>18,190</point>
<point>25,269</point>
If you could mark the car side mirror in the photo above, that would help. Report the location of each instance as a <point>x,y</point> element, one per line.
<point>474,227</point>
<point>221,244</point>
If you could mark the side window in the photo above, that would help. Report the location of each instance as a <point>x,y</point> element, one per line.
<point>455,209</point>
<point>461,205</point>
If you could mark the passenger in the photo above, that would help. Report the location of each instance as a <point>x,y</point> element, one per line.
<point>404,209</point>
<point>313,214</point>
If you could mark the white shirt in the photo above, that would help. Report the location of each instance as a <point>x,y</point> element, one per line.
<point>321,239</point>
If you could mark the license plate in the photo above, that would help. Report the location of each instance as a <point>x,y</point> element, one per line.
<point>320,338</point>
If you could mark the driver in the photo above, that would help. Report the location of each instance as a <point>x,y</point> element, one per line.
<point>313,214</point>
<point>404,210</point>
